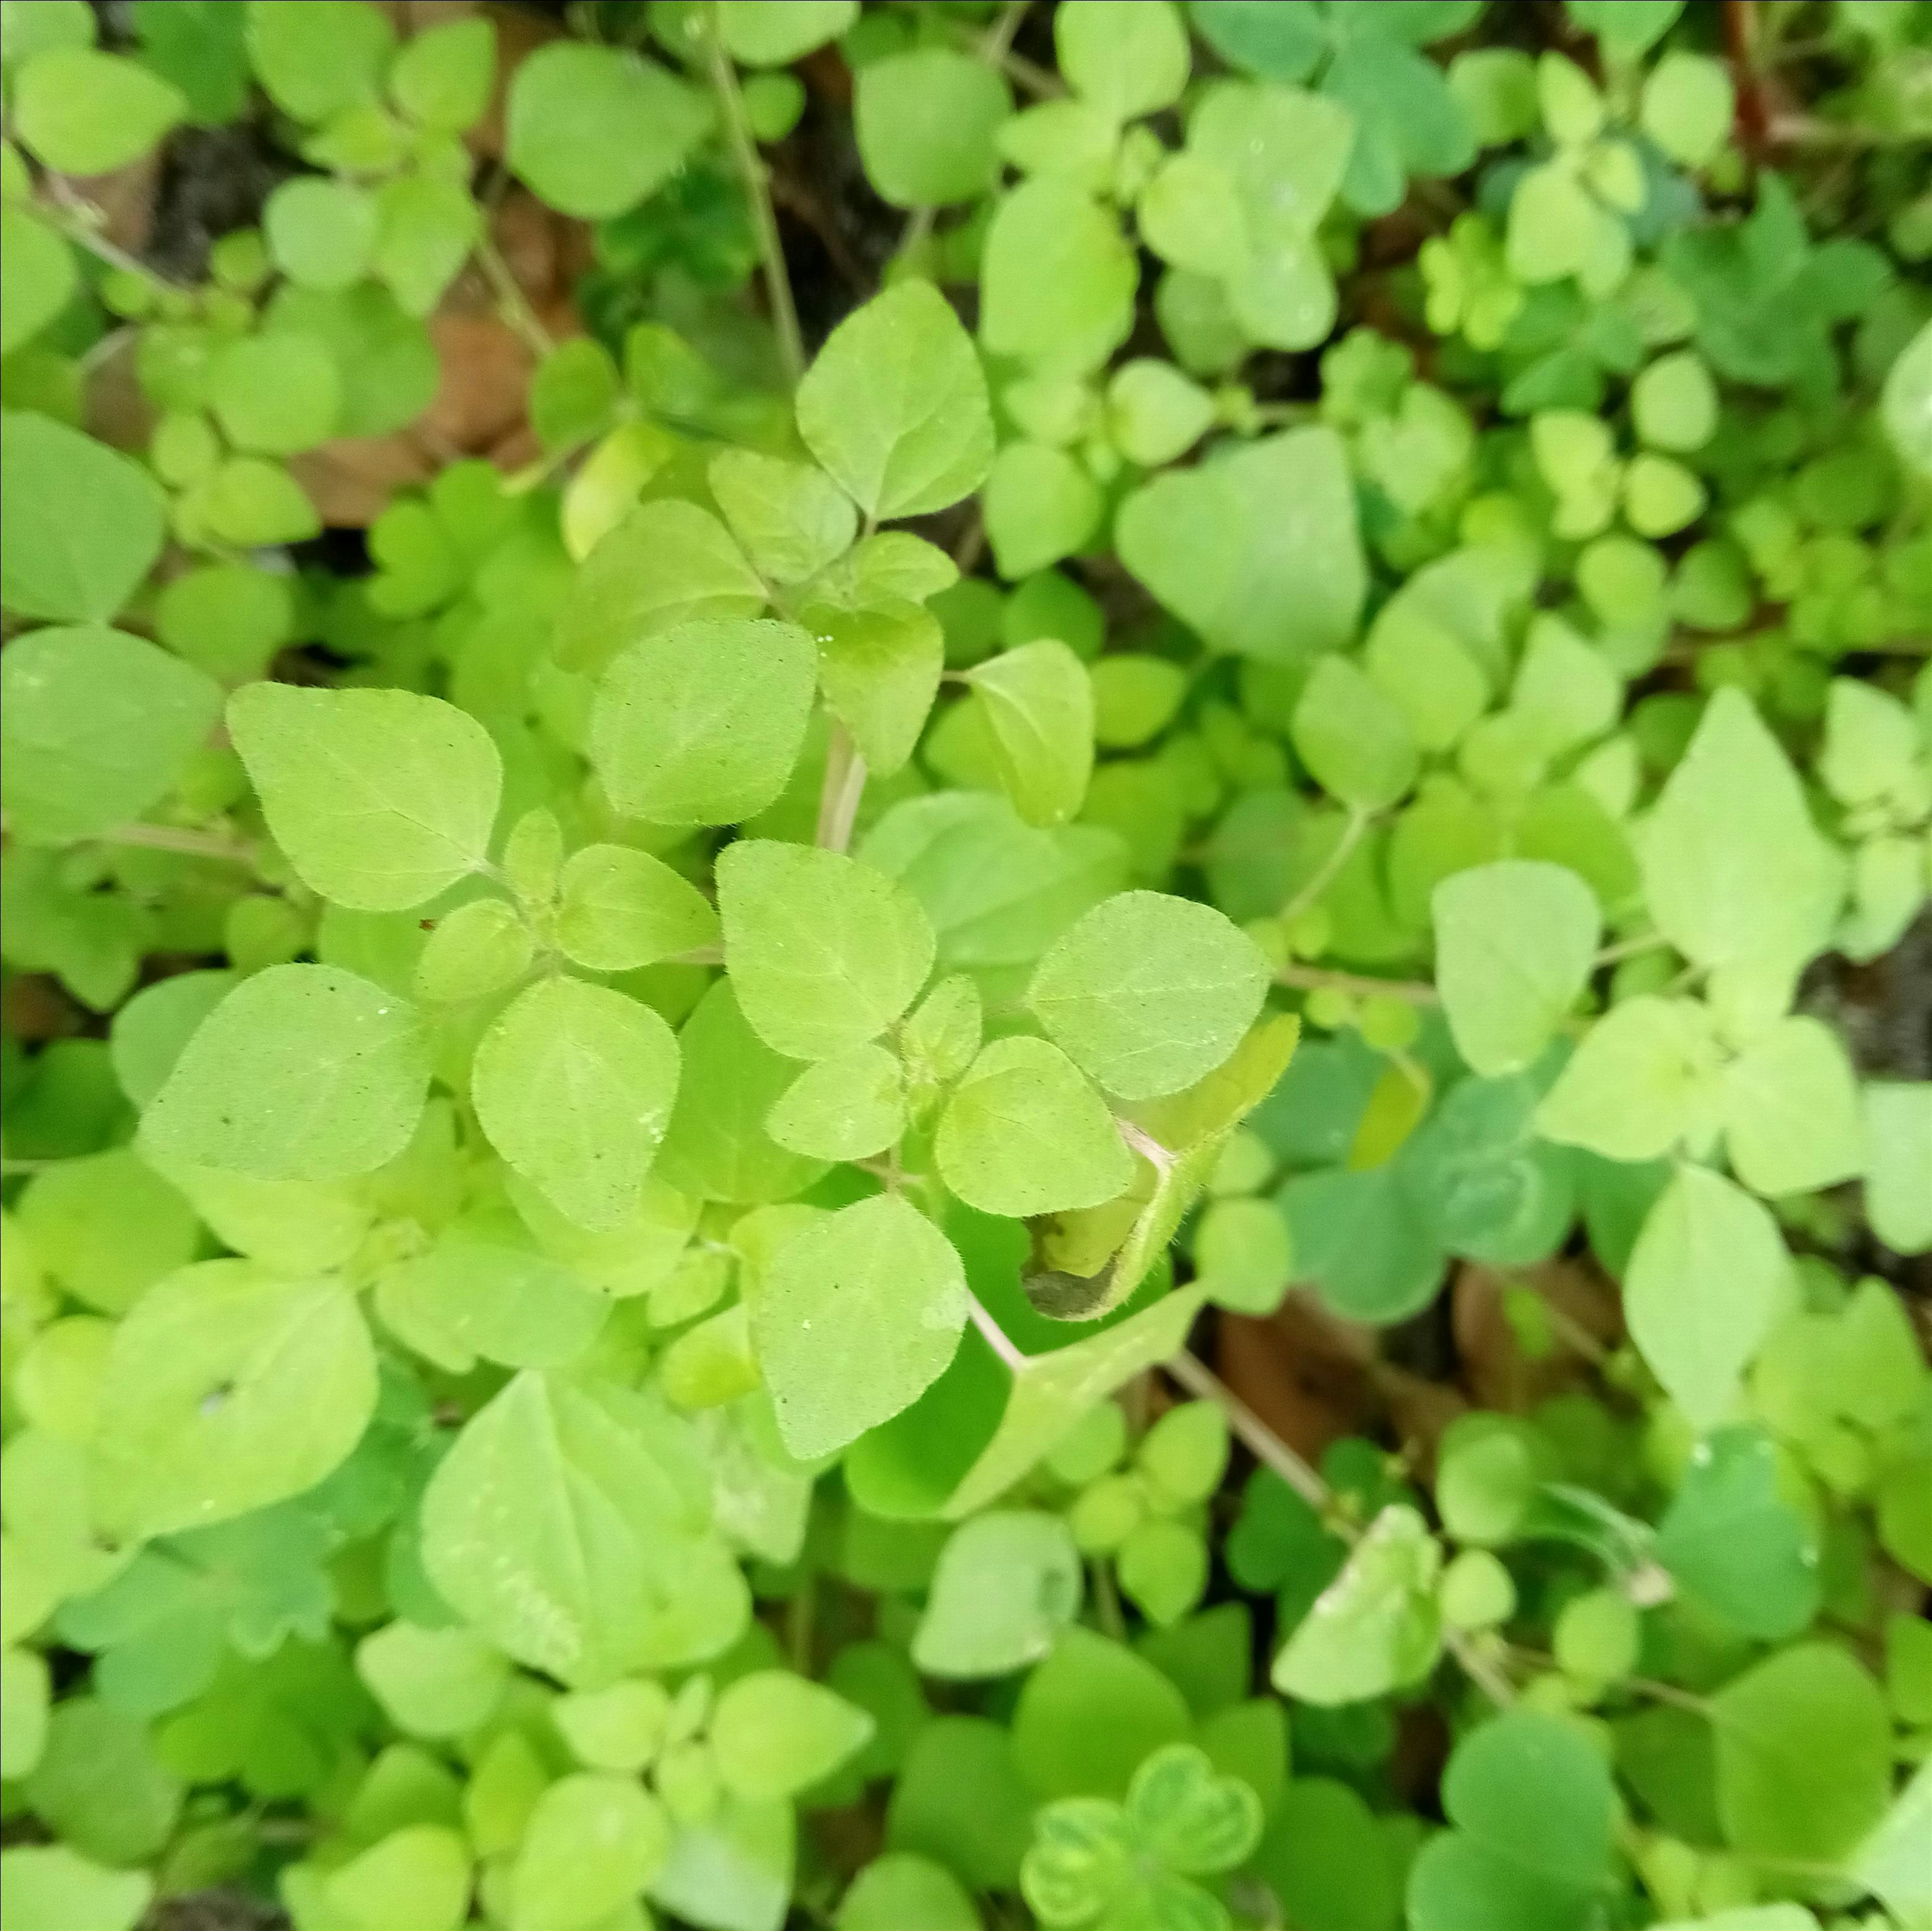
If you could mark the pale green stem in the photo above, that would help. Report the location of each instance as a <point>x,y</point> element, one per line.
<point>1326,873</point>
<point>751,170</point>
<point>512,304</point>
<point>1316,979</point>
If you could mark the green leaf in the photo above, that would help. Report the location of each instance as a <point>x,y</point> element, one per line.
<point>855,1317</point>
<point>848,1108</point>
<point>1644,1077</point>
<point>483,946</point>
<point>733,1872</point>
<point>1129,58</point>
<point>618,909</point>
<point>1038,703</point>
<point>1057,277</point>
<point>1791,1122</point>
<point>106,1227</point>
<point>1708,1279</point>
<point>1688,107</point>
<point>1149,992</point>
<point>432,1683</point>
<point>321,234</point>
<point>86,522</point>
<point>774,33</point>
<point>593,1843</point>
<point>1733,867</point>
<point>1353,740</point>
<point>926,121</point>
<point>716,1145</point>
<point>593,130</point>
<point>619,1727</point>
<point>1260,550</point>
<point>381,799</point>
<point>81,111</point>
<point>428,228</point>
<point>1898,1127</point>
<point>226,1390</point>
<point>898,1890</point>
<point>1890,1862</point>
<point>1040,505</point>
<point>1326,1858</point>
<point>101,1785</point>
<point>567,1525</point>
<point>825,952</point>
<point>1024,1133</point>
<point>667,563</point>
<point>314,57</point>
<point>441,78</point>
<point>879,666</point>
<point>98,726</point>
<point>276,393</point>
<point>303,1072</point>
<point>1737,1543</point>
<point>574,1085</point>
<point>1090,1715</point>
<point>1154,413</point>
<point>895,405</point>
<point>1195,1822</point>
<point>40,277</point>
<point>791,518</point>
<point>422,1870</point>
<point>774,1734</point>
<point>1804,1754</point>
<point>1514,944</point>
<point>474,1295</point>
<point>701,724</point>
<point>46,1887</point>
<point>1906,404</point>
<point>1535,1812</point>
<point>1376,1628</point>
<point>1007,1583</point>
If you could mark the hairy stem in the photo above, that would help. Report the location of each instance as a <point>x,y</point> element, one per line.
<point>844,784</point>
<point>751,171</point>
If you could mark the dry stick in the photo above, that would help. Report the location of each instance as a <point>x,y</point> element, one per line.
<point>1275,1455</point>
<point>751,171</point>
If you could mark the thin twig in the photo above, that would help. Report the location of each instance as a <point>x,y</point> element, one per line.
<point>1317,979</point>
<point>1275,1455</point>
<point>1028,76</point>
<point>512,304</point>
<point>78,220</point>
<point>993,1334</point>
<point>751,170</point>
<point>844,784</point>
<point>1325,874</point>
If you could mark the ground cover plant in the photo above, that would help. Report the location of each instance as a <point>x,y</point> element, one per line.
<point>967,965</point>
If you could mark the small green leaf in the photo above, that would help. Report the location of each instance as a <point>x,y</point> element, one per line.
<point>1024,1133</point>
<point>432,1683</point>
<point>96,726</point>
<point>1128,57</point>
<point>1038,702</point>
<point>775,33</point>
<point>774,1734</point>
<point>226,1390</point>
<point>848,1108</point>
<point>1057,277</point>
<point>1195,1822</point>
<point>1803,1750</point>
<point>314,57</point>
<point>473,1296</point>
<point>857,1317</point>
<point>441,78</point>
<point>702,724</point>
<point>1792,1123</point>
<point>619,908</point>
<point>667,563</point>
<point>1688,107</point>
<point>895,406</point>
<point>1007,1583</point>
<point>593,130</point>
<point>321,234</point>
<point>792,519</point>
<point>1376,1628</point>
<point>81,111</point>
<point>40,277</point>
<point>381,799</point>
<point>1149,992</point>
<point>1736,1541</point>
<point>824,951</point>
<point>594,1842</point>
<point>1733,867</point>
<point>303,1072</point>
<point>1644,1077</point>
<point>84,523</point>
<point>481,948</point>
<point>567,1525</point>
<point>879,665</point>
<point>898,1890</point>
<point>46,1887</point>
<point>926,121</point>
<point>1898,1129</point>
<point>1514,944</point>
<point>1708,1280</point>
<point>574,1085</point>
